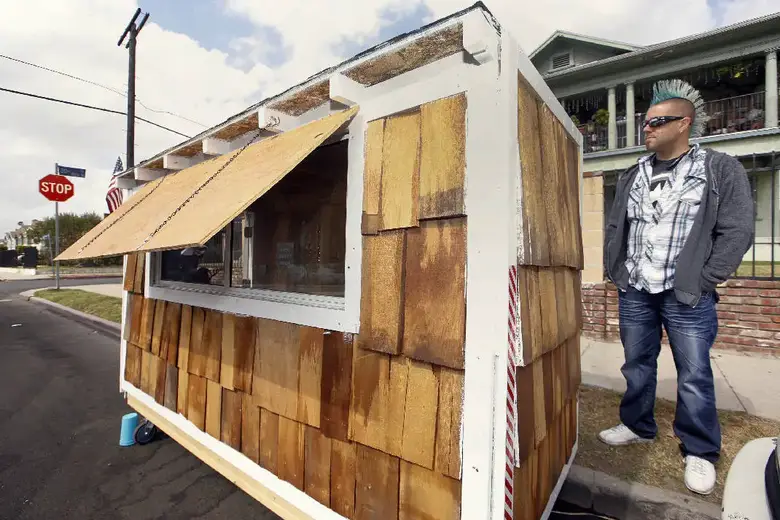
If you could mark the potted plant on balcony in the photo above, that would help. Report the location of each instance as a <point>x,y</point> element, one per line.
<point>601,117</point>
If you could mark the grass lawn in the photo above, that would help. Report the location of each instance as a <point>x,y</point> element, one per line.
<point>113,269</point>
<point>762,269</point>
<point>106,307</point>
<point>658,464</point>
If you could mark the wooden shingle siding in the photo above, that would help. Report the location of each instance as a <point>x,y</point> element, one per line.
<point>381,311</point>
<point>130,266</point>
<point>549,162</point>
<point>400,172</point>
<point>133,359</point>
<point>549,265</point>
<point>443,158</point>
<point>372,177</point>
<point>435,293</point>
<point>536,247</point>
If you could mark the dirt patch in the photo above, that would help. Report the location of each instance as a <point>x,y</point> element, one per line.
<point>658,464</point>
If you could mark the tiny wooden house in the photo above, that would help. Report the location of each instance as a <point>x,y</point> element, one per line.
<point>360,298</point>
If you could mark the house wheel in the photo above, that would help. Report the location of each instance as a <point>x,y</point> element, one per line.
<point>145,433</point>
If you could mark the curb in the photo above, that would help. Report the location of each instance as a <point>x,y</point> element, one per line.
<point>78,276</point>
<point>105,326</point>
<point>610,496</point>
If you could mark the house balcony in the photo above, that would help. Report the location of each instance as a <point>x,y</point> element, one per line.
<point>726,116</point>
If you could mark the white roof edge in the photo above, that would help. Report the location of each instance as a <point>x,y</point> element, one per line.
<point>583,38</point>
<point>669,43</point>
<point>370,53</point>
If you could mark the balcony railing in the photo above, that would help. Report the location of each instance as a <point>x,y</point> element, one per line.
<point>728,115</point>
<point>594,138</point>
<point>735,114</point>
<point>639,135</point>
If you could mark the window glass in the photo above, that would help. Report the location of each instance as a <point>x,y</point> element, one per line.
<point>298,234</point>
<point>204,265</point>
<point>292,239</point>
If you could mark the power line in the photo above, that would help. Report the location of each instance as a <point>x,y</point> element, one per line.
<point>96,84</point>
<point>101,109</point>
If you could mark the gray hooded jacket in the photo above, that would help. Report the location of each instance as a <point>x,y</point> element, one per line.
<point>722,231</point>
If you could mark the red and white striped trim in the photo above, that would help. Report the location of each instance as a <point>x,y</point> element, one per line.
<point>512,453</point>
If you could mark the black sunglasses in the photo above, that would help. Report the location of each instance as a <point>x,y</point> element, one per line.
<point>655,122</point>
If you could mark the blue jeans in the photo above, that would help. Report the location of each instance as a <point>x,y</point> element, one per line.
<point>691,333</point>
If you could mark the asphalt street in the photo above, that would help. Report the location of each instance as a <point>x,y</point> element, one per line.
<point>60,413</point>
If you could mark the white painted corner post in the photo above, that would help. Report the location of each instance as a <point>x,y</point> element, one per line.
<point>612,126</point>
<point>630,116</point>
<point>489,134</point>
<point>770,79</point>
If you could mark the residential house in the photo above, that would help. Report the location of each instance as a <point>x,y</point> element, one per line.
<point>606,88</point>
<point>20,237</point>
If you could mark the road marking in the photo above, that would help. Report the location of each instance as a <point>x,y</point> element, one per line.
<point>5,301</point>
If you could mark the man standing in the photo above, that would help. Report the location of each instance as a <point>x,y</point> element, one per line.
<point>680,224</point>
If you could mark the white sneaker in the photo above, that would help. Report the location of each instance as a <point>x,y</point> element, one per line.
<point>620,435</point>
<point>699,475</point>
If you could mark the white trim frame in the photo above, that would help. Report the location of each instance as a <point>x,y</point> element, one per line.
<point>490,209</point>
<point>474,11</point>
<point>290,499</point>
<point>332,313</point>
<point>123,326</point>
<point>443,78</point>
<point>492,175</point>
<point>486,323</point>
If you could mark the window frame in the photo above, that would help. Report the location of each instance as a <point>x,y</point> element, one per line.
<point>330,312</point>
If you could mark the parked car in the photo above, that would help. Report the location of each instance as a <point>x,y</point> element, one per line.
<point>752,490</point>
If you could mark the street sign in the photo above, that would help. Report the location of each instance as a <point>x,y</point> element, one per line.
<point>71,172</point>
<point>56,188</point>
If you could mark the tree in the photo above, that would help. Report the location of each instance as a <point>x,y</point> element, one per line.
<point>72,227</point>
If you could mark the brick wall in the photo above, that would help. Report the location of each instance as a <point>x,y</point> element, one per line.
<point>748,313</point>
<point>593,227</point>
<point>600,311</point>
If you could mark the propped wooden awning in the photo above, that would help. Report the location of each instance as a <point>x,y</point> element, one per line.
<point>190,206</point>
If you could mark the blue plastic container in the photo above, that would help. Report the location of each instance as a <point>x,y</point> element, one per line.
<point>129,424</point>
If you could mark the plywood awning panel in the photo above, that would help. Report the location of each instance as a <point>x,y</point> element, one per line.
<point>187,208</point>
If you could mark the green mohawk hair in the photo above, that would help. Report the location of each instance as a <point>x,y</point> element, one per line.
<point>679,89</point>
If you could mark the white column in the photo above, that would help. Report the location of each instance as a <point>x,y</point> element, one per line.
<point>630,119</point>
<point>770,79</point>
<point>612,128</point>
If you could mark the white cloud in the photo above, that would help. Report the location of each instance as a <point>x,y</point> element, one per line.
<point>312,31</point>
<point>177,74</point>
<point>630,21</point>
<point>174,74</point>
<point>737,10</point>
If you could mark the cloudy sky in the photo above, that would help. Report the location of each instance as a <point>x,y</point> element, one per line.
<point>200,61</point>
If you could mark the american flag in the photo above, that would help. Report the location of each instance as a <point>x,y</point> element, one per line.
<point>114,195</point>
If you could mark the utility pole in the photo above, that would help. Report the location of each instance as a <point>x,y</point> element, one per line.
<point>56,236</point>
<point>131,32</point>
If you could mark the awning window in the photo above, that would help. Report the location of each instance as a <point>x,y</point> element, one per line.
<point>188,207</point>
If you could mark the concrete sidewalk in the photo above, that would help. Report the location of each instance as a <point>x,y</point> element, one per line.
<point>743,382</point>
<point>108,289</point>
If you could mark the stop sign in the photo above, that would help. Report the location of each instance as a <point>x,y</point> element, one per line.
<point>56,188</point>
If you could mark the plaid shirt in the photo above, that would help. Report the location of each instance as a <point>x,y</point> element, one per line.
<point>657,234</point>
